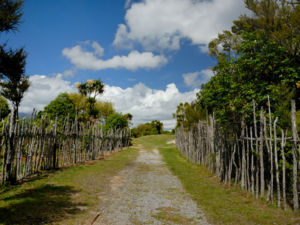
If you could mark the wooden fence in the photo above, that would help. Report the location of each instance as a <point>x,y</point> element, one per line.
<point>256,158</point>
<point>30,147</point>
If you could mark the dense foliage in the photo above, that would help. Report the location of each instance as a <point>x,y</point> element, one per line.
<point>13,81</point>
<point>259,57</point>
<point>155,127</point>
<point>116,121</point>
<point>61,107</point>
<point>4,108</point>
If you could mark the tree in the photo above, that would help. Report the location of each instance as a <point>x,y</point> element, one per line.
<point>157,125</point>
<point>91,89</point>
<point>116,121</point>
<point>14,83</point>
<point>4,108</point>
<point>187,114</point>
<point>152,128</point>
<point>61,107</point>
<point>10,14</point>
<point>105,109</point>
<point>12,72</point>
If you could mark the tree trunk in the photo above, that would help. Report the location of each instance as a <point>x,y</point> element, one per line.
<point>295,138</point>
<point>261,156</point>
<point>10,170</point>
<point>283,170</point>
<point>276,164</point>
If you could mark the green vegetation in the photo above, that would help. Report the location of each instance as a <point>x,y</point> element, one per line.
<point>82,106</point>
<point>257,58</point>
<point>66,196</point>
<point>221,204</point>
<point>188,114</point>
<point>116,121</point>
<point>4,108</point>
<point>155,127</point>
<point>61,107</point>
<point>13,81</point>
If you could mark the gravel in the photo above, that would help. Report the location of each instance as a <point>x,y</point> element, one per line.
<point>146,192</point>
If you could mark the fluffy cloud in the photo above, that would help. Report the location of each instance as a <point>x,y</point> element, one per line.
<point>161,24</point>
<point>83,59</point>
<point>42,90</point>
<point>147,104</point>
<point>197,78</point>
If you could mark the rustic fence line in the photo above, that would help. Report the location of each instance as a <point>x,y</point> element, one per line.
<point>255,158</point>
<point>29,146</point>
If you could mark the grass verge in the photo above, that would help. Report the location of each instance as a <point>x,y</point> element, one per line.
<point>66,196</point>
<point>221,204</point>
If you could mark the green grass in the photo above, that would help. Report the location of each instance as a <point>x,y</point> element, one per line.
<point>63,196</point>
<point>221,204</point>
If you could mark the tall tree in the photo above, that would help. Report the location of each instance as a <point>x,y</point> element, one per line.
<point>14,82</point>
<point>157,125</point>
<point>12,74</point>
<point>91,89</point>
<point>61,107</point>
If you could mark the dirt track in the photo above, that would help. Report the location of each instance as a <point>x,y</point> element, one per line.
<point>146,192</point>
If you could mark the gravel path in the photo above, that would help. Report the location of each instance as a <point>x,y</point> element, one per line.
<point>146,192</point>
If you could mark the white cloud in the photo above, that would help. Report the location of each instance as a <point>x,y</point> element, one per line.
<point>83,59</point>
<point>42,90</point>
<point>127,4</point>
<point>99,51</point>
<point>197,78</point>
<point>146,104</point>
<point>161,24</point>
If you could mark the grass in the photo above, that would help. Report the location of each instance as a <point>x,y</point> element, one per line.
<point>221,204</point>
<point>66,196</point>
<point>167,214</point>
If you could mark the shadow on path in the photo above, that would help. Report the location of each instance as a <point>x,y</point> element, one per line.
<point>42,205</point>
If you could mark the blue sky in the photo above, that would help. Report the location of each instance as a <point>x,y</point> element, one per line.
<point>151,54</point>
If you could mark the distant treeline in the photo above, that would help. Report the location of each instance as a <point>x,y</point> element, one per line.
<point>154,127</point>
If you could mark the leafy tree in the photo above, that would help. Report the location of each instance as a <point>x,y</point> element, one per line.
<point>14,83</point>
<point>188,114</point>
<point>105,109</point>
<point>157,125</point>
<point>91,89</point>
<point>12,62</point>
<point>80,105</point>
<point>13,80</point>
<point>259,57</point>
<point>4,108</point>
<point>62,107</point>
<point>116,121</point>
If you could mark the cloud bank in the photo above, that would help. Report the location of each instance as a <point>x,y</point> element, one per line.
<point>90,60</point>
<point>162,24</point>
<point>144,103</point>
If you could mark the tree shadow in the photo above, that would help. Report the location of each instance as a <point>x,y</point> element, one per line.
<point>42,205</point>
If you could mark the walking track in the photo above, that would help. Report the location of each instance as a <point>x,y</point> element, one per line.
<point>146,192</point>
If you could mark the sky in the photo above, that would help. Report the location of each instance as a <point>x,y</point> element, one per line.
<point>151,54</point>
